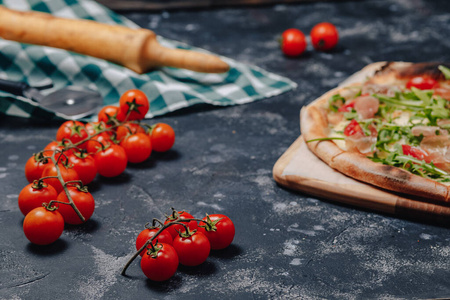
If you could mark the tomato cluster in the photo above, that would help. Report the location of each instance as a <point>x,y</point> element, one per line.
<point>181,239</point>
<point>58,174</point>
<point>324,37</point>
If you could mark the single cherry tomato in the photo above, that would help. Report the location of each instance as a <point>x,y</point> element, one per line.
<point>110,115</point>
<point>176,216</point>
<point>192,248</point>
<point>134,104</point>
<point>73,131</point>
<point>128,128</point>
<point>84,165</point>
<point>219,230</point>
<point>148,233</point>
<point>34,194</point>
<point>415,152</point>
<point>137,146</point>
<point>324,36</point>
<point>97,142</point>
<point>422,83</point>
<point>42,226</point>
<point>82,199</point>
<point>111,161</point>
<point>34,167</point>
<point>352,128</point>
<point>293,42</point>
<point>347,107</point>
<point>162,137</point>
<point>161,263</point>
<point>68,174</point>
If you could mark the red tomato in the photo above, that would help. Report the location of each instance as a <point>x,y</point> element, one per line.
<point>57,146</point>
<point>324,36</point>
<point>422,83</point>
<point>111,161</point>
<point>160,264</point>
<point>34,168</point>
<point>148,233</point>
<point>134,103</point>
<point>84,165</point>
<point>415,152</point>
<point>128,128</point>
<point>34,194</point>
<point>137,146</point>
<point>68,174</point>
<point>82,199</point>
<point>219,230</point>
<point>162,137</point>
<point>192,250</point>
<point>97,142</point>
<point>347,107</point>
<point>73,131</point>
<point>293,42</point>
<point>174,229</point>
<point>352,128</point>
<point>42,226</point>
<point>110,114</point>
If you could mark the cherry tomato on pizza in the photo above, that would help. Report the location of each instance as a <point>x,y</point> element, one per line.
<point>34,194</point>
<point>192,248</point>
<point>82,199</point>
<point>84,165</point>
<point>219,230</point>
<point>111,161</point>
<point>176,216</point>
<point>415,152</point>
<point>137,146</point>
<point>162,137</point>
<point>160,263</point>
<point>43,226</point>
<point>134,104</point>
<point>422,83</point>
<point>293,42</point>
<point>324,36</point>
<point>353,128</point>
<point>34,167</point>
<point>148,233</point>
<point>67,173</point>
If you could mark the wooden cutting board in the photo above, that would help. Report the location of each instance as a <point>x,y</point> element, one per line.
<point>300,170</point>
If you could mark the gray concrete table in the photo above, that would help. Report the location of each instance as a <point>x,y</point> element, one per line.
<point>287,244</point>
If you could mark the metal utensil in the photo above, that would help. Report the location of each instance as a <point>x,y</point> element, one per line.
<point>73,101</point>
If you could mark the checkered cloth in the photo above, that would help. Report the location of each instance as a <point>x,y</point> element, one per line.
<point>168,89</point>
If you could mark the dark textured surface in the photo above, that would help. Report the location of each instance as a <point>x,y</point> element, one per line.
<point>287,245</point>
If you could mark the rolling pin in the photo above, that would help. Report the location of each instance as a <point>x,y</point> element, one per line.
<point>136,49</point>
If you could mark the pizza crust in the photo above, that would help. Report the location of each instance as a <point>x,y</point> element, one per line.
<point>314,125</point>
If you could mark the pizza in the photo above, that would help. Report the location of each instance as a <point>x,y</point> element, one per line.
<point>388,126</point>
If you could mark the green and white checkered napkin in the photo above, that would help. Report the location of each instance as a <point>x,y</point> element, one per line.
<point>168,89</point>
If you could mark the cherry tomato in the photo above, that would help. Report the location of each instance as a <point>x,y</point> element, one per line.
<point>34,168</point>
<point>347,107</point>
<point>293,42</point>
<point>422,83</point>
<point>73,131</point>
<point>82,199</point>
<point>161,264</point>
<point>84,165</point>
<point>219,230</point>
<point>148,233</point>
<point>324,36</point>
<point>352,128</point>
<point>414,152</point>
<point>137,146</point>
<point>97,142</point>
<point>34,194</point>
<point>68,174</point>
<point>111,161</point>
<point>128,128</point>
<point>174,229</point>
<point>134,103</point>
<point>192,250</point>
<point>110,114</point>
<point>162,137</point>
<point>42,226</point>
